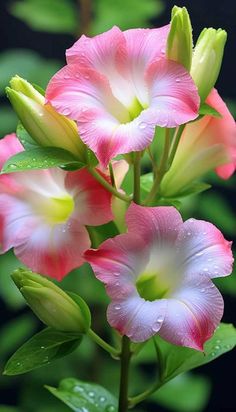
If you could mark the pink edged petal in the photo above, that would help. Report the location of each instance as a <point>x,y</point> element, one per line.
<point>52,251</point>
<point>193,313</point>
<point>223,131</point>
<point>204,249</point>
<point>143,47</point>
<point>108,138</point>
<point>173,95</point>
<point>136,318</point>
<point>154,224</point>
<point>75,89</point>
<point>92,201</point>
<point>117,263</point>
<point>14,217</point>
<point>9,146</point>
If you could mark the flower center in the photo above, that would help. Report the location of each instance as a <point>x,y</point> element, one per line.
<point>152,286</point>
<point>135,109</point>
<point>56,209</point>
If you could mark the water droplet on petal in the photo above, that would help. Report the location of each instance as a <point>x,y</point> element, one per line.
<point>117,307</point>
<point>205,269</point>
<point>199,254</point>
<point>203,290</point>
<point>142,125</point>
<point>177,80</point>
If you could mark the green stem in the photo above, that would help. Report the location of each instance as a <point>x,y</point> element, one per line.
<point>161,171</point>
<point>137,171</point>
<point>142,396</point>
<point>175,144</point>
<point>107,185</point>
<point>124,374</point>
<point>113,182</point>
<point>113,351</point>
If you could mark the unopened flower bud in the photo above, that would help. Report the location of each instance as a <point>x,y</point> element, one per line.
<point>51,304</point>
<point>47,127</point>
<point>207,59</point>
<point>179,42</point>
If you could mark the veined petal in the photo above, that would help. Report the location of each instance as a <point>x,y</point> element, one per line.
<point>117,263</point>
<point>143,47</point>
<point>136,318</point>
<point>92,201</point>
<point>173,96</point>
<point>193,312</point>
<point>154,224</point>
<point>204,249</point>
<point>52,251</point>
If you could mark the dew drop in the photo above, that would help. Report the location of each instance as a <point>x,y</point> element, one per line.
<point>199,254</point>
<point>177,80</point>
<point>217,347</point>
<point>42,347</point>
<point>86,76</point>
<point>204,233</point>
<point>117,284</point>
<point>203,290</point>
<point>102,399</point>
<point>142,125</point>
<point>209,260</point>
<point>91,394</point>
<point>66,77</point>
<point>117,307</point>
<point>213,354</point>
<point>78,388</point>
<point>205,269</point>
<point>66,111</point>
<point>12,166</point>
<point>218,341</point>
<point>18,364</point>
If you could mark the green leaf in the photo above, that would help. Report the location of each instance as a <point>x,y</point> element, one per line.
<point>185,393</point>
<point>83,307</point>
<point>83,396</point>
<point>40,158</point>
<point>27,64</point>
<point>51,16</point>
<point>43,348</point>
<point>193,189</point>
<point>26,140</point>
<point>205,109</point>
<point>100,233</point>
<point>178,359</point>
<point>6,408</point>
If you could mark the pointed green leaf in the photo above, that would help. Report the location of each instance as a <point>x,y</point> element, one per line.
<point>205,109</point>
<point>84,396</point>
<point>177,359</point>
<point>26,140</point>
<point>40,158</point>
<point>43,348</point>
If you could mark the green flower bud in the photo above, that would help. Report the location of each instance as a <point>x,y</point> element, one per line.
<point>179,42</point>
<point>51,304</point>
<point>47,127</point>
<point>207,59</point>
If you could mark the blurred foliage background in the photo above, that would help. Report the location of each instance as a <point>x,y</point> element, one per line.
<point>34,36</point>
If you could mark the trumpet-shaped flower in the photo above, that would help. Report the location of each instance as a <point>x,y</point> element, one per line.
<point>118,86</point>
<point>43,214</point>
<point>208,143</point>
<point>158,276</point>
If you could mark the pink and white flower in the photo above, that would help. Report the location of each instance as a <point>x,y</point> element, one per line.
<point>43,214</point>
<point>118,86</point>
<point>158,276</point>
<point>208,143</point>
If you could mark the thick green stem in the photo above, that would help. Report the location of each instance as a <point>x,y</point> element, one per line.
<point>108,186</point>
<point>161,171</point>
<point>175,144</point>
<point>113,351</point>
<point>124,374</point>
<point>137,171</point>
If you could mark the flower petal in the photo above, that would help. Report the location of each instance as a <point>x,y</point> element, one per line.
<point>92,201</point>
<point>117,263</point>
<point>136,318</point>
<point>204,249</point>
<point>52,251</point>
<point>193,313</point>
<point>154,224</point>
<point>173,95</point>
